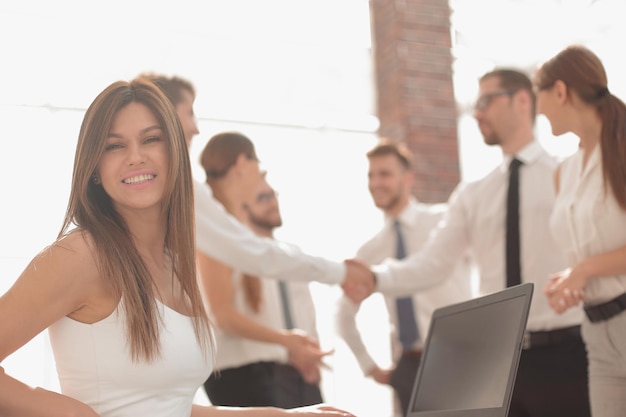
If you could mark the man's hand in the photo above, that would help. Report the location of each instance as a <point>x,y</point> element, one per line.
<point>360,281</point>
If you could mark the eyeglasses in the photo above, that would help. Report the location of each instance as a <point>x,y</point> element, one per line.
<point>266,197</point>
<point>485,100</point>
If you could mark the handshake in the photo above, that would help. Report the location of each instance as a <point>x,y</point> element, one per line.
<point>360,281</point>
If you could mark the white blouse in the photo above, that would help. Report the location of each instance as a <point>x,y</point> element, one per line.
<point>587,221</point>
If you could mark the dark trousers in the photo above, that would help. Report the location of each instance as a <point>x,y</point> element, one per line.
<point>292,390</point>
<point>261,384</point>
<point>552,382</point>
<point>403,378</point>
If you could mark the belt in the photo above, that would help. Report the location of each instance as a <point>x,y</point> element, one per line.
<point>551,337</point>
<point>605,311</point>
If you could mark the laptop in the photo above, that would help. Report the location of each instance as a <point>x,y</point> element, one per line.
<point>471,356</point>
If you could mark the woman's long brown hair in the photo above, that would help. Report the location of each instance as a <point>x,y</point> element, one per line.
<point>91,210</point>
<point>217,157</point>
<point>582,71</point>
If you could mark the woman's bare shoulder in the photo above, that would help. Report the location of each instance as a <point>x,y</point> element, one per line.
<point>70,260</point>
<point>59,280</point>
<point>78,241</point>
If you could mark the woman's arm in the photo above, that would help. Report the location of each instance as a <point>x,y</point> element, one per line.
<point>605,264</point>
<point>311,411</point>
<point>219,292</point>
<point>58,282</point>
<point>565,288</point>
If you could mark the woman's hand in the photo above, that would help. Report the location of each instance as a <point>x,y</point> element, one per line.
<point>565,289</point>
<point>305,355</point>
<point>320,410</point>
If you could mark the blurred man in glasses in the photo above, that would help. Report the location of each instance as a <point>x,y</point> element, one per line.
<point>503,219</point>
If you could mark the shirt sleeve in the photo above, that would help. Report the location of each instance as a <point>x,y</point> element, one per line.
<point>345,321</point>
<point>435,263</point>
<point>221,236</point>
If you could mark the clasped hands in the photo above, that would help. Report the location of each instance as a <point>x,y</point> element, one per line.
<point>565,289</point>
<point>360,282</point>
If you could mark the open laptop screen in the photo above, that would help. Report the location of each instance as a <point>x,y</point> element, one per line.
<point>471,356</point>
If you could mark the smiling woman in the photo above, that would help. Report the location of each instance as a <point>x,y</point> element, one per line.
<point>110,257</point>
<point>295,89</point>
<point>117,290</point>
<point>295,76</point>
<point>134,159</point>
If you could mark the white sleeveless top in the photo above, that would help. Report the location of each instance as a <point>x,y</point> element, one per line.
<point>586,221</point>
<point>94,366</point>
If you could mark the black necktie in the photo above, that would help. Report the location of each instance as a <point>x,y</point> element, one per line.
<point>407,327</point>
<point>513,268</point>
<point>284,297</point>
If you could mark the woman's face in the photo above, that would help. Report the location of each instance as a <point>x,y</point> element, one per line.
<point>550,103</point>
<point>134,166</point>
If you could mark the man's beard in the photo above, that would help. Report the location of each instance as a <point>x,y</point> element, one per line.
<point>392,203</point>
<point>491,139</point>
<point>263,222</point>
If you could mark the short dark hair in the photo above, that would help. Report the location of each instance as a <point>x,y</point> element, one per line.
<point>514,80</point>
<point>172,87</point>
<point>386,146</point>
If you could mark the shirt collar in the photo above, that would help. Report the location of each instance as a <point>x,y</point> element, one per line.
<point>405,216</point>
<point>593,161</point>
<point>528,154</point>
<point>594,157</point>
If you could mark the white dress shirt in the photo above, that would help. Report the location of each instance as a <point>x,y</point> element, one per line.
<point>417,221</point>
<point>587,222</point>
<point>476,221</point>
<point>222,237</point>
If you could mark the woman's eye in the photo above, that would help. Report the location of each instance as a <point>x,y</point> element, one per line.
<point>152,139</point>
<point>112,146</point>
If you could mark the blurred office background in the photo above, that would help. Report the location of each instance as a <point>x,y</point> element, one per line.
<point>297,77</point>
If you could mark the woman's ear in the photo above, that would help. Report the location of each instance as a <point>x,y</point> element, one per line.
<point>560,91</point>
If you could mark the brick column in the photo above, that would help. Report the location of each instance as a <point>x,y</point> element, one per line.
<point>415,99</point>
